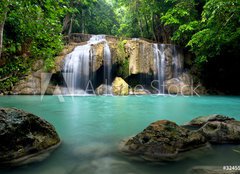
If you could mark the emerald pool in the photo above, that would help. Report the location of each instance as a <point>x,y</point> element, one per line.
<point>92,127</point>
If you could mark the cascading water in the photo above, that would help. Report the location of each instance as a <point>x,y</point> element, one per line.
<point>159,61</point>
<point>177,65</point>
<point>107,69</point>
<point>77,70</point>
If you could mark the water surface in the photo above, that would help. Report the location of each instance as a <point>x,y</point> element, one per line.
<point>92,127</point>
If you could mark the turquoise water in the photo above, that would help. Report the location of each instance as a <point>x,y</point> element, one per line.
<point>92,127</point>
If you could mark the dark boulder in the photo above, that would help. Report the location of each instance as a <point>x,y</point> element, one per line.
<point>163,141</point>
<point>218,129</point>
<point>24,137</point>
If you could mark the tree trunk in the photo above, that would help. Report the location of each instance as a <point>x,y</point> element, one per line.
<point>1,32</point>
<point>66,22</point>
<point>153,28</point>
<point>83,21</point>
<point>71,24</point>
<point>147,27</point>
<point>141,27</point>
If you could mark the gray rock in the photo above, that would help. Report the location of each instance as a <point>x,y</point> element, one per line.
<point>200,121</point>
<point>218,129</point>
<point>163,141</point>
<point>24,137</point>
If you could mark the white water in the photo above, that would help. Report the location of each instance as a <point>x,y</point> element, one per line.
<point>107,68</point>
<point>177,65</point>
<point>159,61</point>
<point>77,70</point>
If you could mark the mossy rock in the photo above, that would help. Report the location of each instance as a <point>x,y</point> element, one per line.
<point>24,137</point>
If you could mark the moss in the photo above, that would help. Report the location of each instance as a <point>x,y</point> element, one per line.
<point>123,68</point>
<point>122,60</point>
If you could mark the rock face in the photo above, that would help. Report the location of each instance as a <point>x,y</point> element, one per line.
<point>24,137</point>
<point>183,85</point>
<point>31,85</point>
<point>120,87</point>
<point>180,85</point>
<point>218,129</point>
<point>163,141</point>
<point>134,59</point>
<point>141,60</point>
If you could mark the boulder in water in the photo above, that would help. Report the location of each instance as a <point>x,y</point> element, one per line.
<point>120,87</point>
<point>218,129</point>
<point>24,137</point>
<point>163,141</point>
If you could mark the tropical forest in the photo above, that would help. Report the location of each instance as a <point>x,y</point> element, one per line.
<point>119,86</point>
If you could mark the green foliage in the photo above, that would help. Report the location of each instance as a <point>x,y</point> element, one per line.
<point>49,64</point>
<point>92,17</point>
<point>121,49</point>
<point>220,28</point>
<point>33,29</point>
<point>123,61</point>
<point>123,68</point>
<point>11,72</point>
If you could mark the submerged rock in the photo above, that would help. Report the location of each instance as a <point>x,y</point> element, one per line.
<point>106,165</point>
<point>24,137</point>
<point>163,141</point>
<point>218,129</point>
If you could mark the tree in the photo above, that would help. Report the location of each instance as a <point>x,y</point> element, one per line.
<point>219,27</point>
<point>34,28</point>
<point>3,14</point>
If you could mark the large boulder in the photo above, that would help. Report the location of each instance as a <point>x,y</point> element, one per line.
<point>218,129</point>
<point>24,137</point>
<point>163,141</point>
<point>120,87</point>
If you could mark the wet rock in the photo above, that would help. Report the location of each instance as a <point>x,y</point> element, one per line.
<point>200,121</point>
<point>24,137</point>
<point>134,91</point>
<point>183,85</point>
<point>120,87</point>
<point>163,141</point>
<point>103,89</point>
<point>218,128</point>
<point>29,86</point>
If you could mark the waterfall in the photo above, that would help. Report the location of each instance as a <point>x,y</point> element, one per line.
<point>159,61</point>
<point>77,69</point>
<point>107,69</point>
<point>177,65</point>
